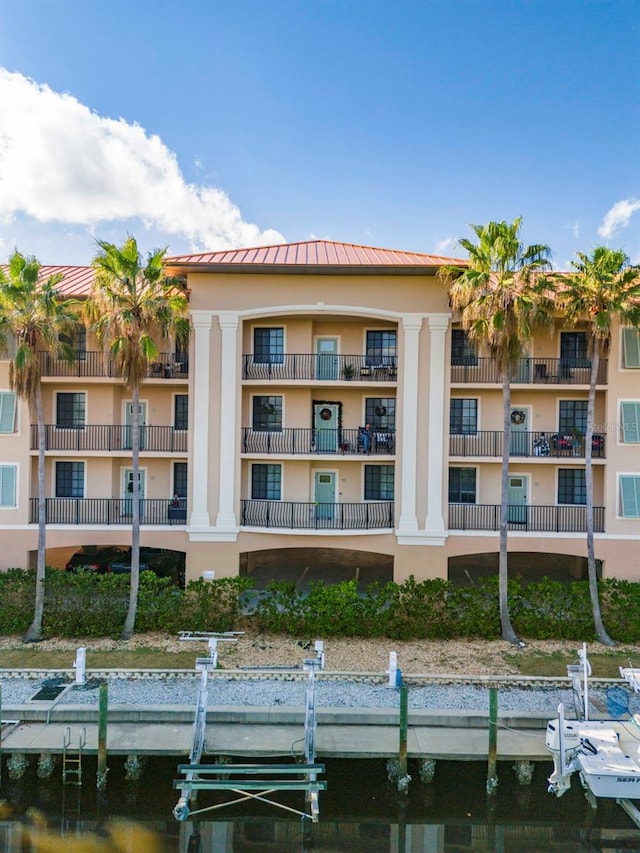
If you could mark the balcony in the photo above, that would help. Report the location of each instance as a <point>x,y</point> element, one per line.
<point>556,519</point>
<point>290,515</point>
<point>100,364</point>
<point>111,437</point>
<point>346,442</point>
<point>534,371</point>
<point>545,444</point>
<point>320,367</point>
<point>109,511</point>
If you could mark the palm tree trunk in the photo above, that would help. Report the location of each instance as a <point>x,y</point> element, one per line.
<point>34,632</point>
<point>600,630</point>
<point>129,622</point>
<point>508,632</point>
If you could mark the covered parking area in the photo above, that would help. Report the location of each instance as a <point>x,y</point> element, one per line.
<point>466,570</point>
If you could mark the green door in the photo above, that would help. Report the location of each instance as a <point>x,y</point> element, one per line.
<point>519,440</point>
<point>324,492</point>
<point>327,358</point>
<point>517,497</point>
<point>325,425</point>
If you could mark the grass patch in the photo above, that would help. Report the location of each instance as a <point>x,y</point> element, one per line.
<point>35,658</point>
<point>603,664</point>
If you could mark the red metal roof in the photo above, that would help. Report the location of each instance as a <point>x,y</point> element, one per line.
<point>77,281</point>
<point>313,253</point>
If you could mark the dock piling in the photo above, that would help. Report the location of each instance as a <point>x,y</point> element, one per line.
<point>492,772</point>
<point>103,709</point>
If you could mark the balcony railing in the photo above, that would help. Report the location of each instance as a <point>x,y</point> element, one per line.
<point>536,371</point>
<point>348,442</point>
<point>559,519</point>
<point>321,367</point>
<point>166,366</point>
<point>540,444</point>
<point>317,516</point>
<point>111,437</point>
<point>110,511</point>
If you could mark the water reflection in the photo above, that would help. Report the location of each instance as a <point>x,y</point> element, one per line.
<point>359,812</point>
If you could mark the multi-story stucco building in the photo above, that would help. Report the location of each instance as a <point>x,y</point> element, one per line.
<point>329,414</point>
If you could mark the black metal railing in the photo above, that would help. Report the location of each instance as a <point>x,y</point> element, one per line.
<point>561,519</point>
<point>538,371</point>
<point>109,511</point>
<point>300,441</point>
<point>165,366</point>
<point>317,516</point>
<point>325,368</point>
<point>111,437</point>
<point>541,444</point>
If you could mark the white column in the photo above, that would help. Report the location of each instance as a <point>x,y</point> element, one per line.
<point>438,325</point>
<point>408,520</point>
<point>226,517</point>
<point>201,321</point>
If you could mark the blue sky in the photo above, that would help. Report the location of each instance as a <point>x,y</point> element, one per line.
<point>204,125</point>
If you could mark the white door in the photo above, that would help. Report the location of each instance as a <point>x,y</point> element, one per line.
<point>327,358</point>
<point>517,498</point>
<point>128,421</point>
<point>324,492</point>
<point>127,489</point>
<point>325,426</point>
<point>519,442</point>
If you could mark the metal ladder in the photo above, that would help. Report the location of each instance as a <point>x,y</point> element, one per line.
<point>72,759</point>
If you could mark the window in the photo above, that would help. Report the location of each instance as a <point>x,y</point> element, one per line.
<point>180,479</point>
<point>7,411</point>
<point>630,495</point>
<point>78,341</point>
<point>462,485</point>
<point>380,412</point>
<point>70,410</point>
<point>573,349</point>
<point>181,411</point>
<point>572,487</point>
<point>381,347</point>
<point>463,352</point>
<point>268,345</point>
<point>378,482</point>
<point>267,413</point>
<point>630,422</point>
<point>266,482</point>
<point>69,479</point>
<point>572,417</point>
<point>463,416</point>
<point>631,347</point>
<point>8,485</point>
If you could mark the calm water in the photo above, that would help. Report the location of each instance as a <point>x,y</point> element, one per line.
<point>360,812</point>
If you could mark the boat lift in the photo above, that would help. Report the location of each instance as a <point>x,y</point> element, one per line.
<point>251,781</point>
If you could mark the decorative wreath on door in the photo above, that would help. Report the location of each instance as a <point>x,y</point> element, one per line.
<point>269,409</point>
<point>325,414</point>
<point>518,417</point>
<point>380,411</point>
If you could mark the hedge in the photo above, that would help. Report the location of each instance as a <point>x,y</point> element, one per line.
<point>88,605</point>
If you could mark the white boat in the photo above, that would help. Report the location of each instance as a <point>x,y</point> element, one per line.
<point>605,753</point>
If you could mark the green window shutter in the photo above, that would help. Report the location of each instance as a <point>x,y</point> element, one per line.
<point>7,411</point>
<point>631,347</point>
<point>630,422</point>
<point>7,485</point>
<point>630,496</point>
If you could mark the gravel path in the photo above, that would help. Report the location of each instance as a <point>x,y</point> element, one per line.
<point>265,692</point>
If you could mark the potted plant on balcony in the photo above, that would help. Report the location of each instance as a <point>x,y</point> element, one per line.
<point>348,371</point>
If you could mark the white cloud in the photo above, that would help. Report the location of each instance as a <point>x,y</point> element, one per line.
<point>618,217</point>
<point>574,227</point>
<point>444,246</point>
<point>61,163</point>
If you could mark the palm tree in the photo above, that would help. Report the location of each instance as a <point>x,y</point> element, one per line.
<point>603,289</point>
<point>133,307</point>
<point>40,320</point>
<point>502,300</point>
